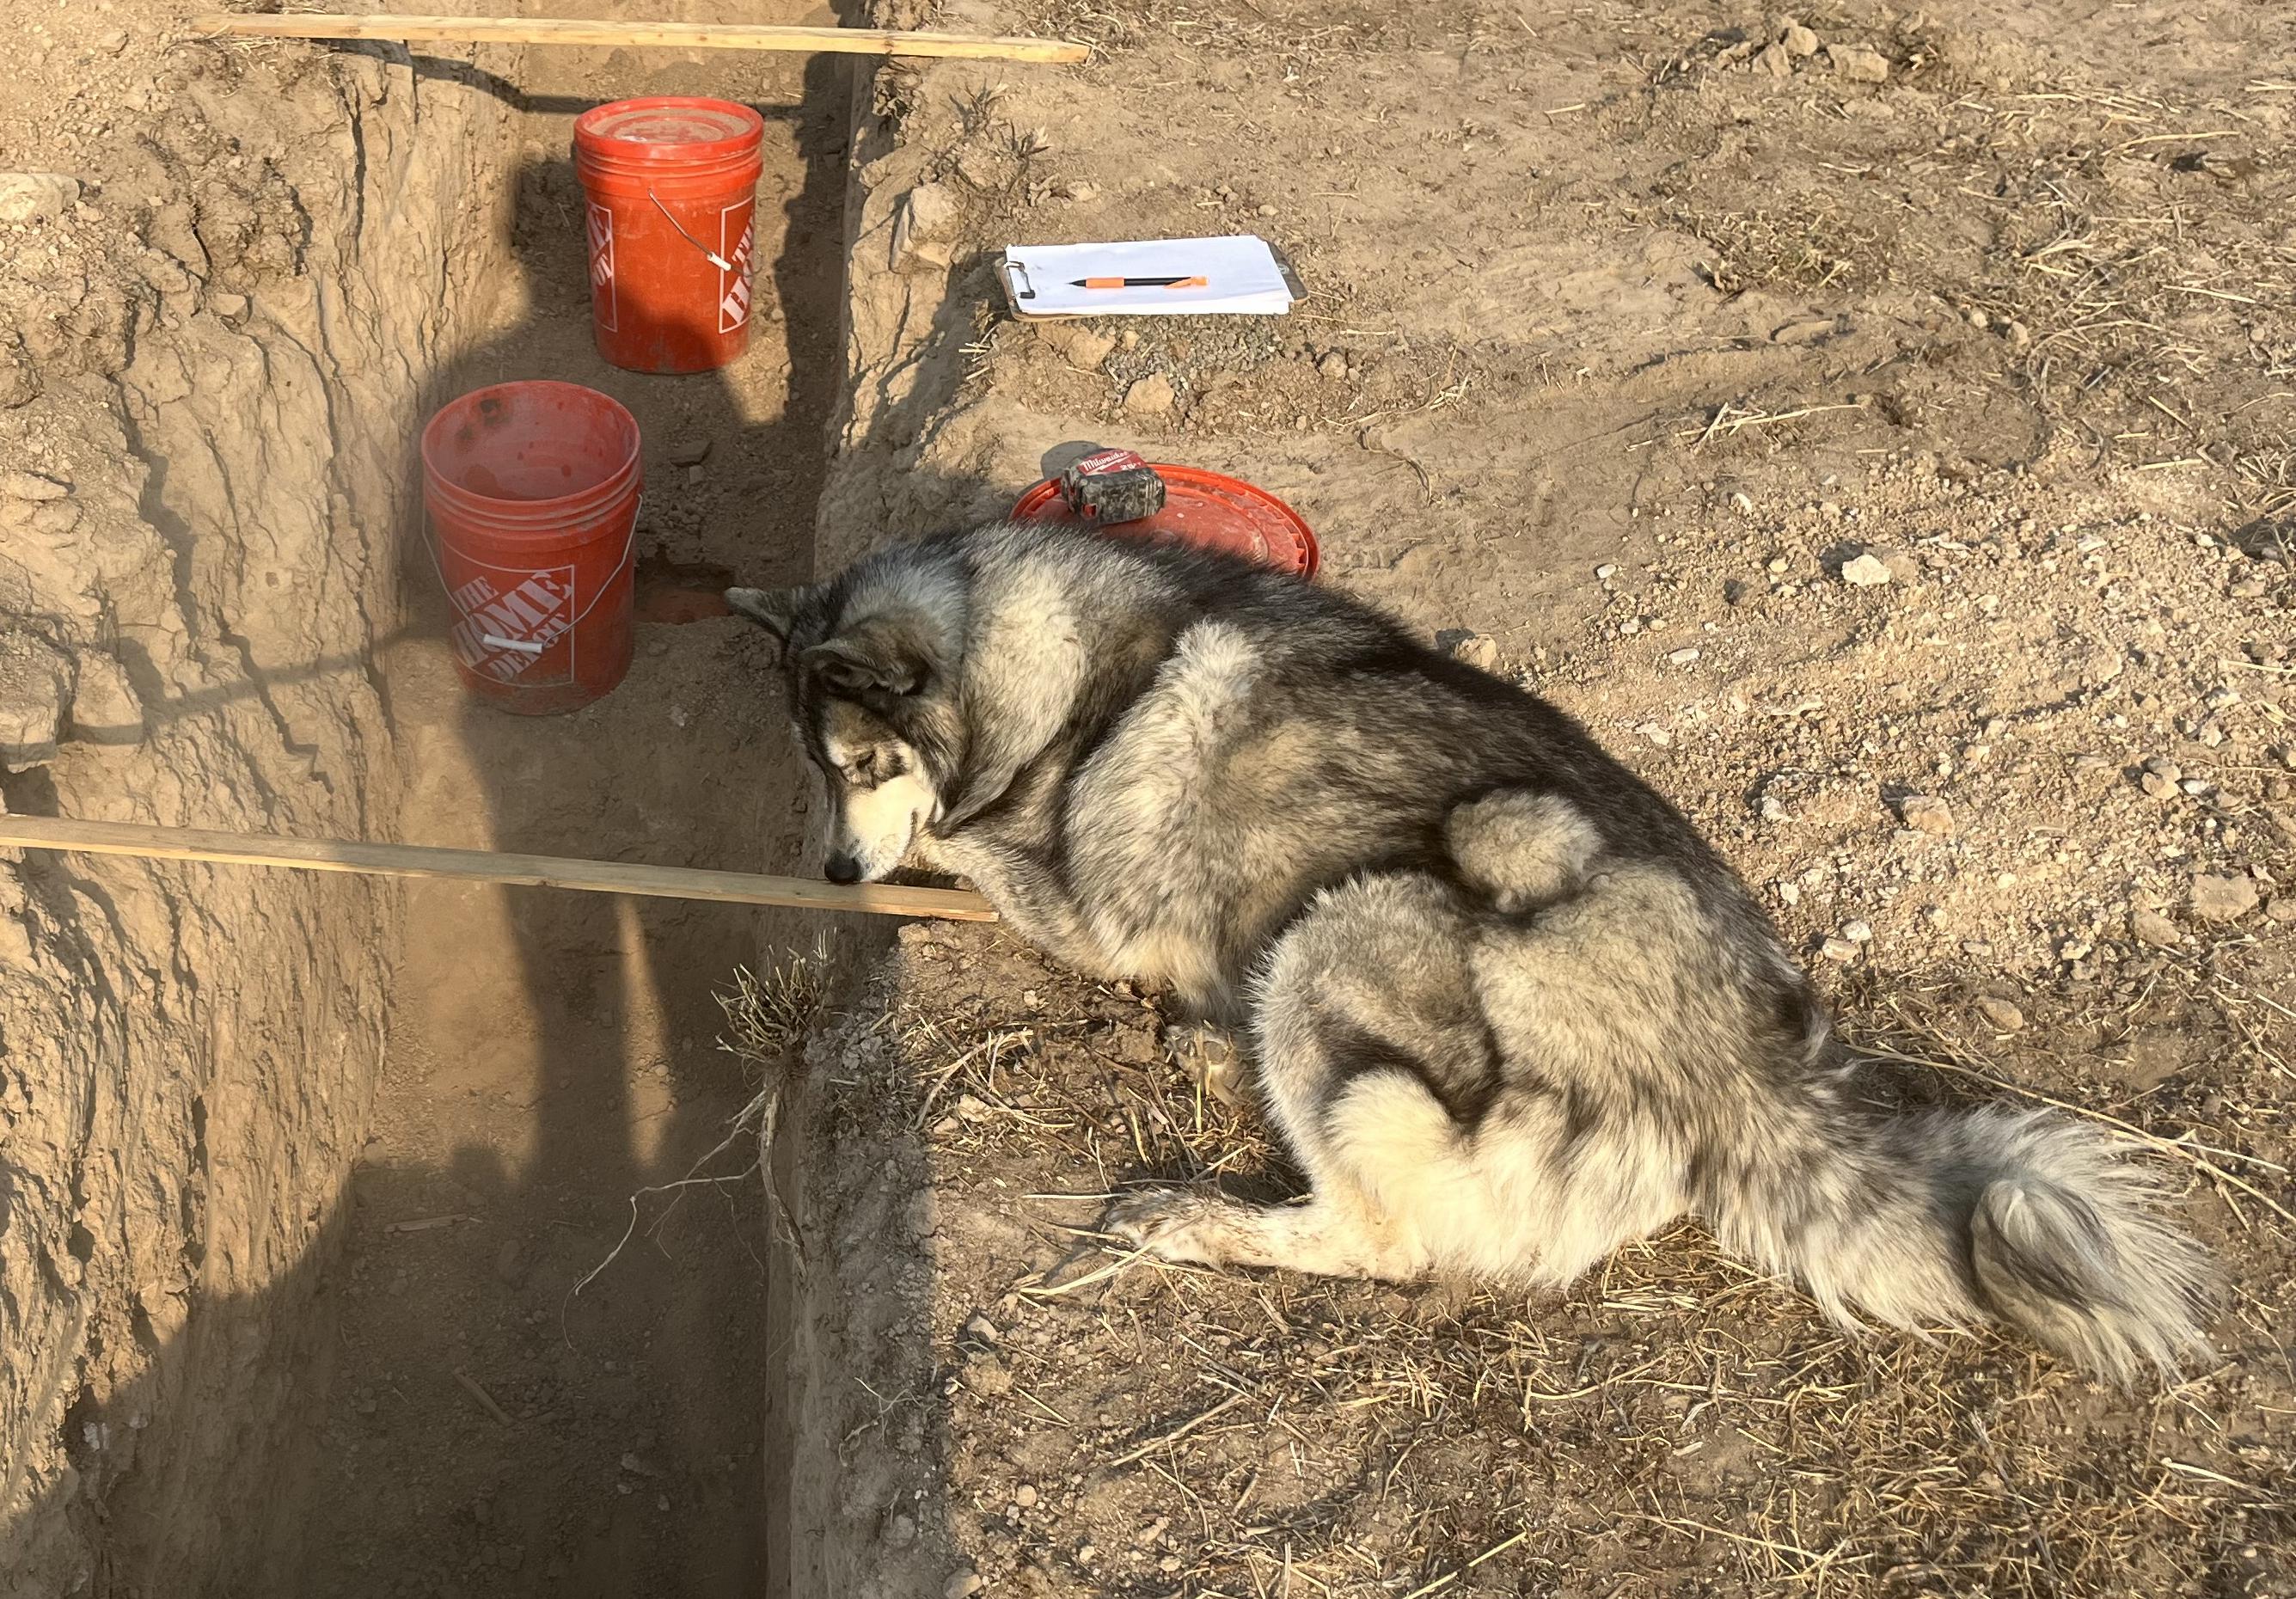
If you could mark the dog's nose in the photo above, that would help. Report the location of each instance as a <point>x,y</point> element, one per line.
<point>841,868</point>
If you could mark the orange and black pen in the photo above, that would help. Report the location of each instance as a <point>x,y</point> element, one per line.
<point>1137,283</point>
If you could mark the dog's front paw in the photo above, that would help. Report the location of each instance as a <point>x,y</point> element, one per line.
<point>1171,1224</point>
<point>1209,1056</point>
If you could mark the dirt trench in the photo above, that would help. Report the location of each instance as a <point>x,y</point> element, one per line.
<point>346,1239</point>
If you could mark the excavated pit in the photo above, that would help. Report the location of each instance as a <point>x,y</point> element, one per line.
<point>342,1242</point>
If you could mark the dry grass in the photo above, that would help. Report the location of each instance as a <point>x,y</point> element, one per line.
<point>1676,1423</point>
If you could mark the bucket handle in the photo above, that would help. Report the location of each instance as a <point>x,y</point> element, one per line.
<point>527,646</point>
<point>714,259</point>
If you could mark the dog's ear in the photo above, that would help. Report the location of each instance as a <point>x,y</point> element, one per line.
<point>874,657</point>
<point>773,609</point>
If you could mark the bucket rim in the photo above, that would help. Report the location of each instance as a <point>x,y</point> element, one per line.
<point>523,518</point>
<point>1043,503</point>
<point>609,153</point>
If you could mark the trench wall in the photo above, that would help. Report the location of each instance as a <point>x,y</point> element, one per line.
<point>213,372</point>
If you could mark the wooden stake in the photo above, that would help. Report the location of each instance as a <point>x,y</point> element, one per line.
<point>486,866</point>
<point>679,35</point>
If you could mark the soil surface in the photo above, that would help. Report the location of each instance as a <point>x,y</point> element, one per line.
<point>1878,429</point>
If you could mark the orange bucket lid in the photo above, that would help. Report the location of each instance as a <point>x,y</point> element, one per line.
<point>1204,509</point>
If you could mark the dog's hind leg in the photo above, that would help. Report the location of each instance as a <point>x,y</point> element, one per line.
<point>1367,1030</point>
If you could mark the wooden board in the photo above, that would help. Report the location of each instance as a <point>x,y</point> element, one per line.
<point>484,866</point>
<point>681,36</point>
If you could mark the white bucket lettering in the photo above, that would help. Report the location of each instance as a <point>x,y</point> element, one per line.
<point>733,277</point>
<point>604,298</point>
<point>500,635</point>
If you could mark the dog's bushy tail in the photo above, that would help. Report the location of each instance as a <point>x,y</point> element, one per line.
<point>1941,1215</point>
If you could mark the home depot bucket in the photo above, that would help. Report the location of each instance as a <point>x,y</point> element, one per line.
<point>533,494</point>
<point>1201,508</point>
<point>672,186</point>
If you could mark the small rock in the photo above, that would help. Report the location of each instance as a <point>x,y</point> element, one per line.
<point>1866,571</point>
<point>1741,503</point>
<point>1772,809</point>
<point>2157,787</point>
<point>1799,41</point>
<point>2003,1015</point>
<point>1926,813</point>
<point>1477,650</point>
<point>1082,191</point>
<point>1152,396</point>
<point>1837,949</point>
<point>1334,366</point>
<point>901,1531</point>
<point>979,1326</point>
<point>963,1585</point>
<point>2075,948</point>
<point>36,196</point>
<point>1025,1496</point>
<point>1682,657</point>
<point>1605,572</point>
<point>1858,933</point>
<point>226,305</point>
<point>112,41</point>
<point>2151,927</point>
<point>1774,60</point>
<point>1858,66</point>
<point>928,213</point>
<point>2019,335</point>
<point>2224,898</point>
<point>1809,330</point>
<point>2160,766</point>
<point>1657,734</point>
<point>1079,343</point>
<point>32,486</point>
<point>2281,907</point>
<point>691,451</point>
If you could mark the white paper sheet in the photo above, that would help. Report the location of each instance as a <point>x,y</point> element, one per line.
<point>1240,272</point>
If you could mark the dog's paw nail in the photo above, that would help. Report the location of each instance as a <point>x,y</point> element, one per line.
<point>1140,1218</point>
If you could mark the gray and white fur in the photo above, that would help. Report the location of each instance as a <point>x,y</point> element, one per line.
<point>1505,1007</point>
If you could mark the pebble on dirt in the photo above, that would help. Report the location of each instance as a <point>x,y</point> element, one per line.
<point>2151,927</point>
<point>1080,344</point>
<point>2000,1013</point>
<point>1477,650</point>
<point>36,196</point>
<point>928,213</point>
<point>1866,571</point>
<point>1859,66</point>
<point>2224,898</point>
<point>1926,813</point>
<point>1152,396</point>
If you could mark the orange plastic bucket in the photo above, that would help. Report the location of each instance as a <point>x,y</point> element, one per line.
<point>1205,509</point>
<point>672,186</point>
<point>533,494</point>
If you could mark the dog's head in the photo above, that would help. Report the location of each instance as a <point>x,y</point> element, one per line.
<point>872,696</point>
